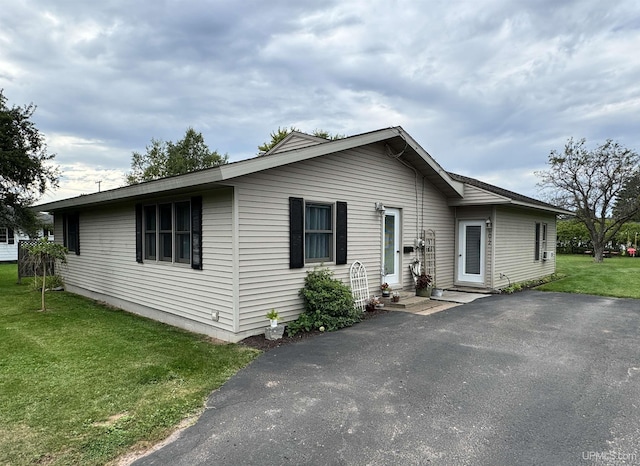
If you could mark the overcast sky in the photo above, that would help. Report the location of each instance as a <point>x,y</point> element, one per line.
<point>488,88</point>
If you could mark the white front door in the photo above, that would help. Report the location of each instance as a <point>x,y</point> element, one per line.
<point>391,250</point>
<point>471,251</point>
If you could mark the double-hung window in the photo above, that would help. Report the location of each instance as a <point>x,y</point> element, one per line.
<point>7,236</point>
<point>71,232</point>
<point>318,232</point>
<point>182,232</point>
<point>170,232</point>
<point>167,232</point>
<point>150,232</point>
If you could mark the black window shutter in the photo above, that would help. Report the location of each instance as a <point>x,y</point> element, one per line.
<point>10,236</point>
<point>76,225</point>
<point>196,232</point>
<point>537,251</point>
<point>341,232</point>
<point>296,232</point>
<point>65,233</point>
<point>139,233</point>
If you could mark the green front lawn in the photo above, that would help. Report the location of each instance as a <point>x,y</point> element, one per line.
<point>82,383</point>
<point>616,276</point>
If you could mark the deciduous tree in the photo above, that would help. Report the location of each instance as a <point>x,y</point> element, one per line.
<point>44,252</point>
<point>279,134</point>
<point>164,159</point>
<point>589,182</point>
<point>26,171</point>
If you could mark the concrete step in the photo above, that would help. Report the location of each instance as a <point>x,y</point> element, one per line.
<point>408,302</point>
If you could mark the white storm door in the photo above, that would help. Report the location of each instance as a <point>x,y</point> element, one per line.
<point>471,251</point>
<point>391,251</point>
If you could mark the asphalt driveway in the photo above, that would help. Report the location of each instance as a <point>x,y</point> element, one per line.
<point>530,378</point>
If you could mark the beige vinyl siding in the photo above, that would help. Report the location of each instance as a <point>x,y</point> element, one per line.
<point>474,195</point>
<point>296,142</point>
<point>360,177</point>
<point>514,232</point>
<point>107,266</point>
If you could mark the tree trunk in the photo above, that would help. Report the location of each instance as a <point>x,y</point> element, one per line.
<point>598,252</point>
<point>44,278</point>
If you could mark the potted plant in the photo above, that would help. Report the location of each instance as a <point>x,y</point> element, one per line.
<point>386,290</point>
<point>374,303</point>
<point>423,285</point>
<point>396,297</point>
<point>272,315</point>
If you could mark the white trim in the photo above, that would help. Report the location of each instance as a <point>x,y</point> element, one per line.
<point>395,278</point>
<point>462,239</point>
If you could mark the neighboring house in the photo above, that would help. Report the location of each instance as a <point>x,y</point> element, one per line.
<point>9,244</point>
<point>212,251</point>
<point>9,238</point>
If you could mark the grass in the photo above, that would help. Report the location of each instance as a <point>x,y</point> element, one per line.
<point>616,276</point>
<point>83,383</point>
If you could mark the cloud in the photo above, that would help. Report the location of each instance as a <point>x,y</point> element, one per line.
<point>488,88</point>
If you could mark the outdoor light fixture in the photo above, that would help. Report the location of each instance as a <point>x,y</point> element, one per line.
<point>488,222</point>
<point>380,208</point>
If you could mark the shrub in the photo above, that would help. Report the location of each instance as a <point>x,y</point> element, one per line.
<point>51,282</point>
<point>515,287</point>
<point>328,303</point>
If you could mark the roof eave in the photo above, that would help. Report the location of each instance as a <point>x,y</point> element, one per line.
<point>199,178</point>
<point>503,201</point>
<point>555,210</point>
<point>433,171</point>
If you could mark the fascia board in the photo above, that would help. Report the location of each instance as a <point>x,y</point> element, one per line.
<point>247,167</point>
<point>221,173</point>
<point>199,178</point>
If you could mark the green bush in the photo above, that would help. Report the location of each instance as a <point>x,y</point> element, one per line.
<point>515,287</point>
<point>328,303</point>
<point>51,282</point>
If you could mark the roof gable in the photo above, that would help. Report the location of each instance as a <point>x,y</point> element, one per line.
<point>396,141</point>
<point>295,140</point>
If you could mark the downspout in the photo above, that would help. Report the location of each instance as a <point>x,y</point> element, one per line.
<point>235,293</point>
<point>456,236</point>
<point>492,241</point>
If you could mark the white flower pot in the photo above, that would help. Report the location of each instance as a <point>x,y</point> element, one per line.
<point>274,322</point>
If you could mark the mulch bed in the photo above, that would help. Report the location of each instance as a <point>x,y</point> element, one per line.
<point>261,343</point>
